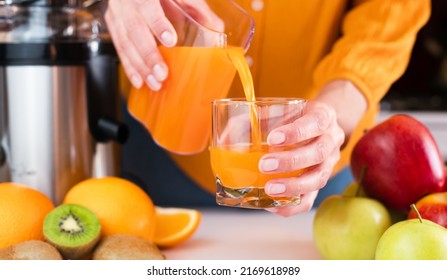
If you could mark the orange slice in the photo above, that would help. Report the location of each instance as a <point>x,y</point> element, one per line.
<point>175,225</point>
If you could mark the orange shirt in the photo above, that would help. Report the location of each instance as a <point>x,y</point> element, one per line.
<point>298,46</point>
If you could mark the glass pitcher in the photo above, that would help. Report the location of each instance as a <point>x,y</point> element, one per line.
<point>178,116</point>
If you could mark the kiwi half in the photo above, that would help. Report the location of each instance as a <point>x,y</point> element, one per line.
<point>73,229</point>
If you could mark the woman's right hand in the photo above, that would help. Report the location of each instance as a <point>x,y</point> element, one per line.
<point>137,25</point>
<point>134,26</point>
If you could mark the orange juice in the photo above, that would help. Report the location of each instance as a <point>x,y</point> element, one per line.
<point>179,115</point>
<point>237,166</point>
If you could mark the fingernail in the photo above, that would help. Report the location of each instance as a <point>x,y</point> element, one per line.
<point>153,83</point>
<point>276,188</point>
<point>269,164</point>
<point>160,72</point>
<point>136,81</point>
<point>277,138</point>
<point>168,39</point>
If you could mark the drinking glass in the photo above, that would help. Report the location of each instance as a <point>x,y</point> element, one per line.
<point>239,140</point>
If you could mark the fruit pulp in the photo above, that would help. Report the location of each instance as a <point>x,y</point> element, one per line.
<point>239,181</point>
<point>178,116</point>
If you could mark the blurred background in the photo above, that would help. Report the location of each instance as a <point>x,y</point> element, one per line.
<point>422,90</point>
<point>423,87</point>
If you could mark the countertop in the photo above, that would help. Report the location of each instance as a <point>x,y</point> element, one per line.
<point>244,234</point>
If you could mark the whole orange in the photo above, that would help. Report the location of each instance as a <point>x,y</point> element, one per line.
<point>121,206</point>
<point>22,211</point>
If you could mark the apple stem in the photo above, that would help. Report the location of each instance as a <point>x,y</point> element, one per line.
<point>413,207</point>
<point>362,176</point>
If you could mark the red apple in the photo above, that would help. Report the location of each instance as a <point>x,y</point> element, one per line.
<point>432,207</point>
<point>445,181</point>
<point>402,161</point>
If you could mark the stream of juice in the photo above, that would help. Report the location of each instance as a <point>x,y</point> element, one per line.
<point>240,63</point>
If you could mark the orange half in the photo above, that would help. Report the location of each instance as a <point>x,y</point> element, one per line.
<point>175,225</point>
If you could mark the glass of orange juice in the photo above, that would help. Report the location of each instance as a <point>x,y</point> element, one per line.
<point>178,116</point>
<point>239,140</point>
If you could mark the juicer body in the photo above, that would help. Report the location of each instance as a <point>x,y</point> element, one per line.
<point>59,112</point>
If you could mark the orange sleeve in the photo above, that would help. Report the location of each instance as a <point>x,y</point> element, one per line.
<point>375,45</point>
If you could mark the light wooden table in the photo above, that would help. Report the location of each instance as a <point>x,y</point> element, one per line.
<point>242,234</point>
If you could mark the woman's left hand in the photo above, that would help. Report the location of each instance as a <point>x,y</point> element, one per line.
<point>322,139</point>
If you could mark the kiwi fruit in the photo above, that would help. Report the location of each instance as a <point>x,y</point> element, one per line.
<point>30,250</point>
<point>126,247</point>
<point>73,229</point>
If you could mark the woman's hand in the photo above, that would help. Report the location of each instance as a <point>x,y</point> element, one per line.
<point>137,25</point>
<point>325,126</point>
<point>134,26</point>
<point>322,137</point>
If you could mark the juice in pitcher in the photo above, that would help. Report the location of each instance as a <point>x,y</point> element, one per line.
<point>178,116</point>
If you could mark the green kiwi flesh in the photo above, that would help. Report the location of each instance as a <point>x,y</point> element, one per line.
<point>73,229</point>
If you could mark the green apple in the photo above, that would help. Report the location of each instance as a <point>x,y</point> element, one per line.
<point>349,227</point>
<point>413,239</point>
<point>354,189</point>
